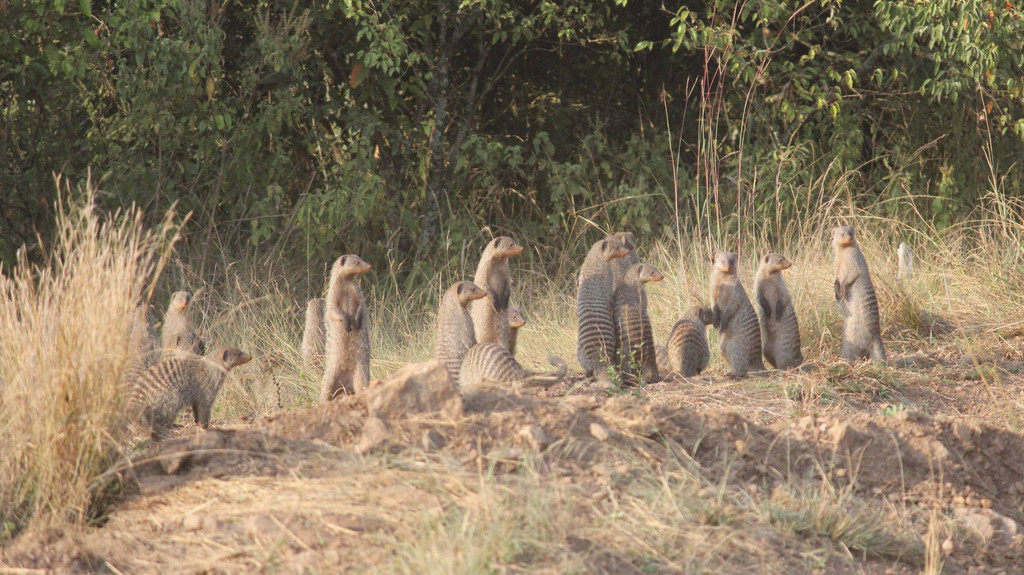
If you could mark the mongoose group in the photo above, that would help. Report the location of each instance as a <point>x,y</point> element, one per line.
<point>477,328</point>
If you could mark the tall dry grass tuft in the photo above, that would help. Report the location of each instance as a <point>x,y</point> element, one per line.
<point>64,344</point>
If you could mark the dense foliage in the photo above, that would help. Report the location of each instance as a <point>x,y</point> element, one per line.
<point>317,126</point>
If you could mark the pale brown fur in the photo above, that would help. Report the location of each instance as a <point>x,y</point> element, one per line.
<point>455,334</point>
<point>491,363</point>
<point>516,320</point>
<point>347,330</point>
<point>688,351</point>
<point>490,322</point>
<point>181,381</point>
<point>734,317</point>
<point>862,334</point>
<point>780,331</point>
<point>596,347</point>
<point>177,332</point>
<point>313,335</point>
<point>633,325</point>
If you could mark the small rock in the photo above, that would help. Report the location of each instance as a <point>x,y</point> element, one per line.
<point>375,434</point>
<point>962,431</point>
<point>947,546</point>
<point>535,437</point>
<point>192,522</point>
<point>987,523</point>
<point>599,431</point>
<point>432,441</point>
<point>838,432</point>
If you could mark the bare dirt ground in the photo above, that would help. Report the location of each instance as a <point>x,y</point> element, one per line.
<point>830,469</point>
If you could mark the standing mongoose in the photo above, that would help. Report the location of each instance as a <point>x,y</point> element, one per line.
<point>596,343</point>
<point>621,265</point>
<point>688,350</point>
<point>455,333</point>
<point>734,317</point>
<point>905,257</point>
<point>516,320</point>
<point>143,334</point>
<point>633,325</point>
<point>490,321</point>
<point>780,332</point>
<point>862,334</point>
<point>492,363</point>
<point>313,335</point>
<point>177,332</point>
<point>180,381</point>
<point>347,331</point>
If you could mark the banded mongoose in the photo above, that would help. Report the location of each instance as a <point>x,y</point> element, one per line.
<point>862,335</point>
<point>313,335</point>
<point>490,322</point>
<point>143,334</point>
<point>491,363</point>
<point>905,255</point>
<point>596,342</point>
<point>455,333</point>
<point>347,330</point>
<point>633,325</point>
<point>516,320</point>
<point>177,332</point>
<point>734,317</point>
<point>688,350</point>
<point>780,331</point>
<point>180,381</point>
<point>621,265</point>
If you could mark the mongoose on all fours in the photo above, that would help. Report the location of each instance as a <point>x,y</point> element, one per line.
<point>181,381</point>
<point>516,320</point>
<point>455,333</point>
<point>862,334</point>
<point>688,351</point>
<point>491,363</point>
<point>177,332</point>
<point>314,335</point>
<point>596,343</point>
<point>780,332</point>
<point>734,317</point>
<point>347,330</point>
<point>490,320</point>
<point>633,325</point>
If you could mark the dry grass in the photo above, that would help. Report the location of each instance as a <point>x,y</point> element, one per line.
<point>62,353</point>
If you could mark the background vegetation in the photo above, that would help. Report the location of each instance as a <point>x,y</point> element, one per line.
<point>397,130</point>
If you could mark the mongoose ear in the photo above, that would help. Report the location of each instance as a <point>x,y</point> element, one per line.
<point>226,357</point>
<point>766,258</point>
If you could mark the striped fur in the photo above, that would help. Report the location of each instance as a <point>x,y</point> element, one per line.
<point>455,334</point>
<point>734,317</point>
<point>142,340</point>
<point>688,350</point>
<point>177,332</point>
<point>490,322</point>
<point>621,265</point>
<point>596,342</point>
<point>178,382</point>
<point>780,331</point>
<point>314,335</point>
<point>862,334</point>
<point>492,363</point>
<point>633,326</point>
<point>516,320</point>
<point>346,330</point>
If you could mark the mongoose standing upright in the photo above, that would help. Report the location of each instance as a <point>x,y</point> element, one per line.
<point>143,334</point>
<point>177,331</point>
<point>180,381</point>
<point>734,317</point>
<point>905,255</point>
<point>490,321</point>
<point>621,265</point>
<point>455,333</point>
<point>596,343</point>
<point>780,332</point>
<point>492,363</point>
<point>313,335</point>
<point>633,325</point>
<point>688,350</point>
<point>862,334</point>
<point>516,320</point>
<point>347,343</point>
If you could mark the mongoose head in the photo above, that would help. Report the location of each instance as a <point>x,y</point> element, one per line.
<point>774,262</point>
<point>613,248</point>
<point>648,273</point>
<point>516,319</point>
<point>726,262</point>
<point>504,247</point>
<point>180,300</point>
<point>842,236</point>
<point>229,357</point>
<point>701,314</point>
<point>467,292</point>
<point>349,265</point>
<point>626,238</point>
